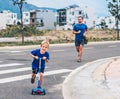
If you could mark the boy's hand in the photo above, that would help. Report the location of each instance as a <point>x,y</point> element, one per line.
<point>36,57</point>
<point>45,58</point>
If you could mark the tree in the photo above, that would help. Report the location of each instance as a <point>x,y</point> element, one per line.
<point>103,24</point>
<point>20,5</point>
<point>114,9</point>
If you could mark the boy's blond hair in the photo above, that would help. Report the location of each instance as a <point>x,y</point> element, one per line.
<point>45,41</point>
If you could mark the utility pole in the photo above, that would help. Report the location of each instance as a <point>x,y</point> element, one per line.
<point>117,19</point>
<point>20,5</point>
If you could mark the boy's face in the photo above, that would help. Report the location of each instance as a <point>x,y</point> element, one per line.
<point>44,47</point>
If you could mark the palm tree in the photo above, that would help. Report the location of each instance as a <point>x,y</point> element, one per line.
<point>114,9</point>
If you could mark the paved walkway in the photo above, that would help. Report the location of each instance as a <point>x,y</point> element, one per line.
<point>95,80</point>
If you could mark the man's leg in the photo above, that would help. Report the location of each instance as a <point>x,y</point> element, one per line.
<point>77,49</point>
<point>80,52</point>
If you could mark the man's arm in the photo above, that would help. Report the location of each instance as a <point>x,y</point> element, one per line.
<point>85,34</point>
<point>75,32</point>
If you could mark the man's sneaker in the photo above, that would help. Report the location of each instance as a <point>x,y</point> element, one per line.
<point>32,80</point>
<point>79,60</point>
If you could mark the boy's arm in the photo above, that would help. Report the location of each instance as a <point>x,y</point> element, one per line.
<point>33,56</point>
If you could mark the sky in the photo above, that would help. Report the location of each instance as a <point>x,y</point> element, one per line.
<point>98,6</point>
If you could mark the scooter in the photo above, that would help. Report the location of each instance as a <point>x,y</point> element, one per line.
<point>38,90</point>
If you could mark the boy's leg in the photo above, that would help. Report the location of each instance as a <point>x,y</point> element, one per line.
<point>34,72</point>
<point>40,81</point>
<point>41,71</point>
<point>41,78</point>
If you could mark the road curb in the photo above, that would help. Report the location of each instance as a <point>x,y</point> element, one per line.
<point>52,45</point>
<point>81,83</point>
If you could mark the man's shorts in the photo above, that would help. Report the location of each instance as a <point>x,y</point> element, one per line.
<point>36,70</point>
<point>79,42</point>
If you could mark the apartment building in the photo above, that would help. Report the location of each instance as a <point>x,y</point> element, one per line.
<point>7,18</point>
<point>105,22</point>
<point>73,12</point>
<point>26,18</point>
<point>3,21</point>
<point>68,16</point>
<point>43,19</point>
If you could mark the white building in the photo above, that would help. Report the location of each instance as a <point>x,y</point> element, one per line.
<point>26,18</point>
<point>7,18</point>
<point>43,19</point>
<point>109,22</point>
<point>3,21</point>
<point>72,12</point>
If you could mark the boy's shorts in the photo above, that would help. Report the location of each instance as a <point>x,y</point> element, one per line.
<point>79,42</point>
<point>36,70</point>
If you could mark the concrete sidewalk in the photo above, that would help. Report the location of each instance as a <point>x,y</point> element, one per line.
<point>95,80</point>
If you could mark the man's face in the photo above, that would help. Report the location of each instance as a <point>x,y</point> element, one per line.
<point>80,20</point>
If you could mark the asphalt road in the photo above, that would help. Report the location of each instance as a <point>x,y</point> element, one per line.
<point>15,68</point>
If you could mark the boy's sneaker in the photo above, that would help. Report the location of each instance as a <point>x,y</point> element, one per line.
<point>32,80</point>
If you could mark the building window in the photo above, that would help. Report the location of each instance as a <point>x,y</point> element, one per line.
<point>80,12</point>
<point>72,13</point>
<point>26,20</point>
<point>33,20</point>
<point>26,14</point>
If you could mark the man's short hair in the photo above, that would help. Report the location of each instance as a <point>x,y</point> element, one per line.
<point>80,17</point>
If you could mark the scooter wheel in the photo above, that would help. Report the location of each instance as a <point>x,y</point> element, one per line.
<point>44,92</point>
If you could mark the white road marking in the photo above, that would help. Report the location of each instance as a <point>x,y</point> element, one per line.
<point>15,70</point>
<point>23,77</point>
<point>112,46</point>
<point>58,50</point>
<point>12,64</point>
<point>16,51</point>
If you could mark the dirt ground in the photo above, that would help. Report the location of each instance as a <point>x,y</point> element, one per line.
<point>92,35</point>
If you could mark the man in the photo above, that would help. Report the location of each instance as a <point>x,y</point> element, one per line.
<point>80,31</point>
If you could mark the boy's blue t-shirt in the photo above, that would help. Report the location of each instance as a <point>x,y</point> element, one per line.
<point>35,63</point>
<point>82,28</point>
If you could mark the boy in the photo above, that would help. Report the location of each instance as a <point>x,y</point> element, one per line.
<point>40,57</point>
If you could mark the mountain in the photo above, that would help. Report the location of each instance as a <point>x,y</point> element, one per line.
<point>8,5</point>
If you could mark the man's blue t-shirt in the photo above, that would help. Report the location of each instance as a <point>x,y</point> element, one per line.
<point>35,63</point>
<point>82,28</point>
